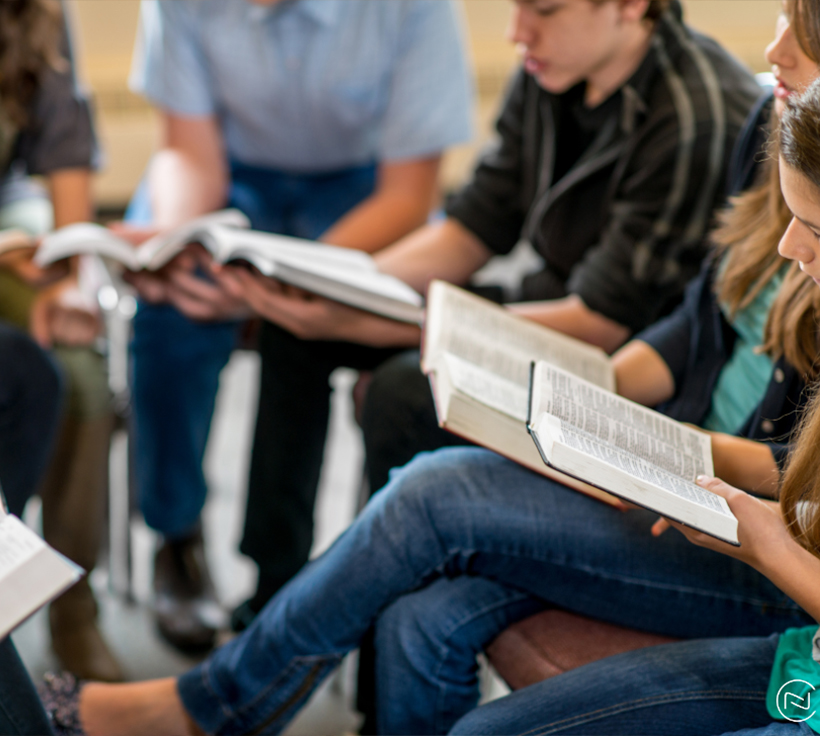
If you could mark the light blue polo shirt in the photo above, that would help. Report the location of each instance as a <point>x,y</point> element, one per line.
<point>311,85</point>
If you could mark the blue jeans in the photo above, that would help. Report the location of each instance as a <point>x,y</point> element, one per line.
<point>706,687</point>
<point>30,404</point>
<point>467,516</point>
<point>21,713</point>
<point>177,361</point>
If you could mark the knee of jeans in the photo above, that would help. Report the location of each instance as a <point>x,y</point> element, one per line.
<point>427,478</point>
<point>409,635</point>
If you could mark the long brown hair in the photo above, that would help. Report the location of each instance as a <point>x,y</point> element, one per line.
<point>29,44</point>
<point>750,230</point>
<point>800,492</point>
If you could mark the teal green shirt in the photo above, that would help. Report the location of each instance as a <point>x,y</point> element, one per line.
<point>794,687</point>
<point>743,380</point>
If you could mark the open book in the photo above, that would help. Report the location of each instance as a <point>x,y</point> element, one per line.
<point>627,449</point>
<point>154,253</point>
<point>31,573</point>
<point>478,356</point>
<point>342,274</point>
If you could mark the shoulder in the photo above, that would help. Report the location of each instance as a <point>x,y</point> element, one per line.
<point>698,77</point>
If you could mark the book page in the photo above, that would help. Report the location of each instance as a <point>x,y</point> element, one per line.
<point>31,573</point>
<point>157,251</point>
<point>647,434</point>
<point>87,238</point>
<point>488,335</point>
<point>266,248</point>
<point>18,545</point>
<point>488,388</point>
<point>634,466</point>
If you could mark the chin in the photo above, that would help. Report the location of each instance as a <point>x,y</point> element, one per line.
<point>553,85</point>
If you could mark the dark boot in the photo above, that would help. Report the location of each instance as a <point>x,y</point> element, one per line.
<point>187,612</point>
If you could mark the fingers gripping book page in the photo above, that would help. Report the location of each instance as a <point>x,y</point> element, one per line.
<point>492,337</point>
<point>647,434</point>
<point>621,447</point>
<point>630,477</point>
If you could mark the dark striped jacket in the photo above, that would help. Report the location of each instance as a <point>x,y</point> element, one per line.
<point>624,228</point>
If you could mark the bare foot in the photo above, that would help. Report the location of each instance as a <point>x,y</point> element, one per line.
<point>135,709</point>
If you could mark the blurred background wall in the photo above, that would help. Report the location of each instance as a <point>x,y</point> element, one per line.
<point>104,34</point>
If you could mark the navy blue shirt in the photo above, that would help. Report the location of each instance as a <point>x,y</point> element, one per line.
<point>696,340</point>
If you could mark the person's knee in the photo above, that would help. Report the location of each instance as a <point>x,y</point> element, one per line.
<point>24,364</point>
<point>429,477</point>
<point>86,377</point>
<point>398,387</point>
<point>409,635</point>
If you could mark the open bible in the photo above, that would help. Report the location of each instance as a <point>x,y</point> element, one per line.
<point>31,573</point>
<point>626,449</point>
<point>477,356</point>
<point>341,274</point>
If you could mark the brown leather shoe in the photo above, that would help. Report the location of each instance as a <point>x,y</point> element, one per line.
<point>76,638</point>
<point>187,612</point>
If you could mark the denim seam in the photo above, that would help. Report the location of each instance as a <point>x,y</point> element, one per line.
<point>295,663</point>
<point>680,697</point>
<point>444,649</point>
<point>207,683</point>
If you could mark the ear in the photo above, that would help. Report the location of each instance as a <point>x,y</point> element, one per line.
<point>633,10</point>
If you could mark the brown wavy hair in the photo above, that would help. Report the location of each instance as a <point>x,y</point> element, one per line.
<point>800,492</point>
<point>30,35</point>
<point>750,230</point>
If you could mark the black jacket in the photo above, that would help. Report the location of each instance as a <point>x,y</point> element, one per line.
<point>624,228</point>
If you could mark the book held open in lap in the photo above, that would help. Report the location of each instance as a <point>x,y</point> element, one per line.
<point>633,452</point>
<point>31,573</point>
<point>345,275</point>
<point>477,356</point>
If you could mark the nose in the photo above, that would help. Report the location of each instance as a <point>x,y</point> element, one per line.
<point>780,52</point>
<point>796,243</point>
<point>519,29</point>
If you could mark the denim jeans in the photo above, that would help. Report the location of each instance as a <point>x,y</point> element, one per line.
<point>30,404</point>
<point>706,687</point>
<point>30,393</point>
<point>467,515</point>
<point>177,361</point>
<point>21,713</point>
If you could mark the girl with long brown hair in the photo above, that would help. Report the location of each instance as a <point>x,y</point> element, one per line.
<point>46,130</point>
<point>765,686</point>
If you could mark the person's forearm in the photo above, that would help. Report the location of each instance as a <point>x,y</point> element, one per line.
<point>572,317</point>
<point>745,464</point>
<point>443,250</point>
<point>377,222</point>
<point>401,203</point>
<point>642,375</point>
<point>70,191</point>
<point>182,188</point>
<point>188,176</point>
<point>795,571</point>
